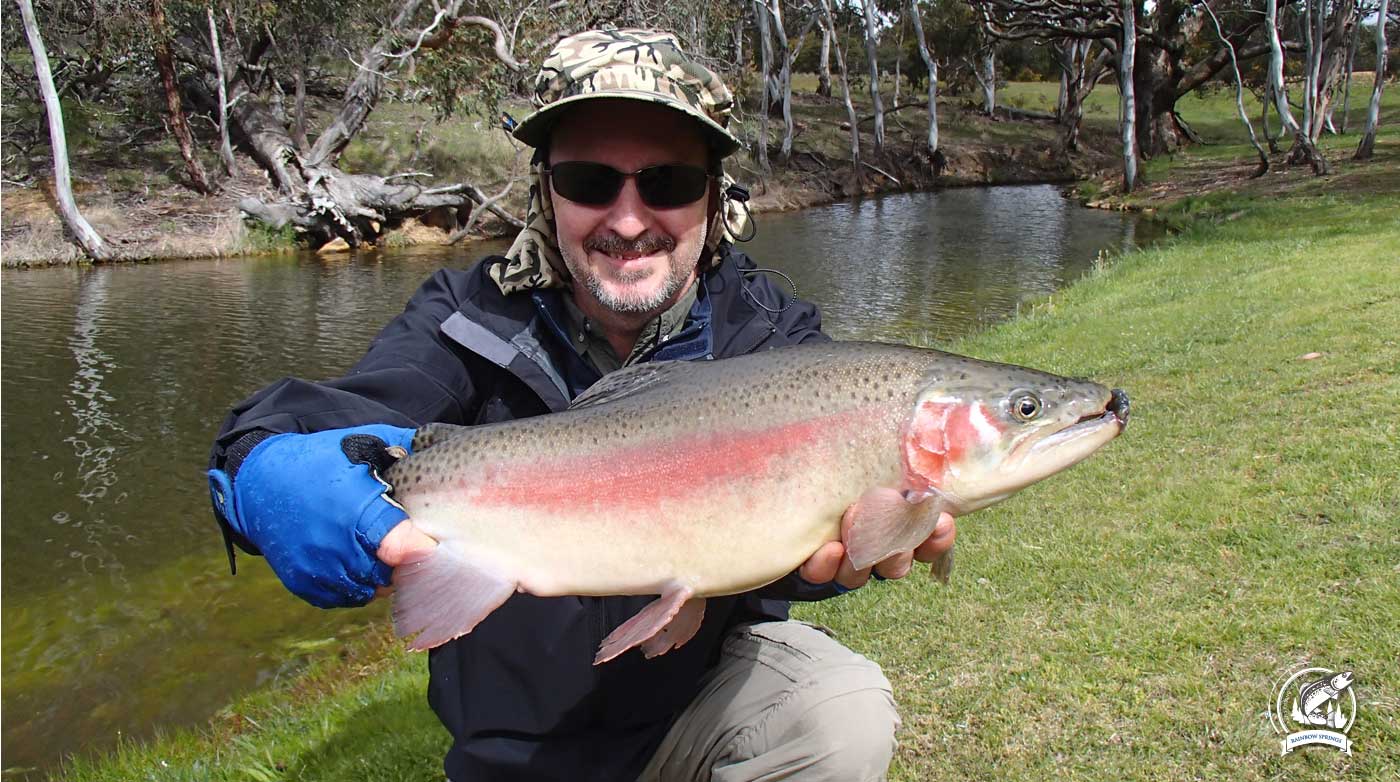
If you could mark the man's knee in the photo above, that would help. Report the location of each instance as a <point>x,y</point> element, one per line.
<point>838,720</point>
<point>849,736</point>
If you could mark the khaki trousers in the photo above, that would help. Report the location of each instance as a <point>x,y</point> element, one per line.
<point>787,701</point>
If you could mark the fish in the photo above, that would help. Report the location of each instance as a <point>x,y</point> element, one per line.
<point>695,479</point>
<point>1315,704</point>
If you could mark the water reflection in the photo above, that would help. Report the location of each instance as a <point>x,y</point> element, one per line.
<point>119,614</point>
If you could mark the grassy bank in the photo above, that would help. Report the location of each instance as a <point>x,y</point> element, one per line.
<point>1127,620</point>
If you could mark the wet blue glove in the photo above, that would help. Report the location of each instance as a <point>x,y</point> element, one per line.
<point>316,515</point>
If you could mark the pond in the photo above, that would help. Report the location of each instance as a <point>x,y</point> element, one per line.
<point>120,615</point>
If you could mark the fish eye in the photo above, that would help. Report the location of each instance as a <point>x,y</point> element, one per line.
<point>1025,406</point>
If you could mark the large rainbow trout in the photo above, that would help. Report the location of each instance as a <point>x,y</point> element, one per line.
<point>706,478</point>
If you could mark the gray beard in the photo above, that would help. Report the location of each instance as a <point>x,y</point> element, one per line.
<point>676,277</point>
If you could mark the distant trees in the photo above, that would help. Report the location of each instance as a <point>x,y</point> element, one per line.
<point>237,78</point>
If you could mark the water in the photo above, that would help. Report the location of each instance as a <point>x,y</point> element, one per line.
<point>119,615</point>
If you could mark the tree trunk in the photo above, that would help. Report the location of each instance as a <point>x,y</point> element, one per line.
<point>1335,54</point>
<point>87,236</point>
<point>766,54</point>
<point>1127,50</point>
<point>1239,92</point>
<point>1351,67</point>
<point>299,107</point>
<point>824,65</point>
<point>1303,148</point>
<point>180,126</point>
<point>851,118</point>
<point>932,66</point>
<point>784,77</point>
<point>1366,148</point>
<point>988,80</point>
<point>225,148</point>
<point>868,6</point>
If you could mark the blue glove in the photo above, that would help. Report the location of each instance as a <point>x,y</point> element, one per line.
<point>317,515</point>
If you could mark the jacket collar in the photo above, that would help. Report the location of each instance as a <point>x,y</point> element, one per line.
<point>524,334</point>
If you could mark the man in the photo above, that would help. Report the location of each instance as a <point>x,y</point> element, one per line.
<point>624,259</point>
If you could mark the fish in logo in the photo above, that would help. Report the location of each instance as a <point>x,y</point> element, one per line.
<point>1317,702</point>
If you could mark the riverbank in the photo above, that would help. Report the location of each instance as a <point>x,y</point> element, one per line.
<point>1125,620</point>
<point>134,198</point>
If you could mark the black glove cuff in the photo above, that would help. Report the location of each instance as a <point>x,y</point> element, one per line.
<point>236,453</point>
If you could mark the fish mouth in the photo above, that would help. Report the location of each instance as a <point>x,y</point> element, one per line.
<point>1086,434</point>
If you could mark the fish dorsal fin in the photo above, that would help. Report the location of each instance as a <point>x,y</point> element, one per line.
<point>629,381</point>
<point>432,434</point>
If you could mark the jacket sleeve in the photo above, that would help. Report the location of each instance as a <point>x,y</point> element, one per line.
<point>412,374</point>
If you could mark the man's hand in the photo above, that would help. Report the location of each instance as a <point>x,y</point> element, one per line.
<point>405,543</point>
<point>313,506</point>
<point>829,563</point>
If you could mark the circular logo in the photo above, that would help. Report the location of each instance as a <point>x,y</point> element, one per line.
<point>1315,706</point>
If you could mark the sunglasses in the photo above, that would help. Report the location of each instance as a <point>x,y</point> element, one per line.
<point>595,184</point>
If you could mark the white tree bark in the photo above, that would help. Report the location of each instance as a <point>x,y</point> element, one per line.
<point>87,236</point>
<point>1127,52</point>
<point>1276,85</point>
<point>932,66</point>
<point>784,76</point>
<point>1303,148</point>
<point>1239,92</point>
<point>225,148</point>
<point>988,80</point>
<point>872,59</point>
<point>765,47</point>
<point>851,118</point>
<point>824,65</point>
<point>1366,148</point>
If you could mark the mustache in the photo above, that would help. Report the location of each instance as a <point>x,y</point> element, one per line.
<point>646,244</point>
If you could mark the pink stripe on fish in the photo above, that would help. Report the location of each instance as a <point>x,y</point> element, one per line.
<point>640,476</point>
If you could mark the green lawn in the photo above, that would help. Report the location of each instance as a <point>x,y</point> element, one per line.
<point>1126,620</point>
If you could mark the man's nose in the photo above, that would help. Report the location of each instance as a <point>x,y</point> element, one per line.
<point>628,217</point>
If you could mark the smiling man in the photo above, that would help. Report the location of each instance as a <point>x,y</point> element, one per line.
<point>626,257</point>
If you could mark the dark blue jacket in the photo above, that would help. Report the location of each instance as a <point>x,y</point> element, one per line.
<point>520,694</point>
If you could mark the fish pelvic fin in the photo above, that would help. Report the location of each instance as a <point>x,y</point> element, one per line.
<point>664,624</point>
<point>887,521</point>
<point>445,595</point>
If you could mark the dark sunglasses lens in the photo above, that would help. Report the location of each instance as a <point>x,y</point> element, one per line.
<point>665,186</point>
<point>586,183</point>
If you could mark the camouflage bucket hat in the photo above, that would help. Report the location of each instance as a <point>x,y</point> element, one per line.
<point>636,64</point>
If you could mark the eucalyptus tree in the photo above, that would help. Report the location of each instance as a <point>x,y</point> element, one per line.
<point>873,61</point>
<point>87,237</point>
<point>1304,150</point>
<point>851,119</point>
<point>1172,57</point>
<point>1366,147</point>
<point>932,66</point>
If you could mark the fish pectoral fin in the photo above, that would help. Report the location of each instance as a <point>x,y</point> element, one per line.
<point>885,522</point>
<point>664,624</point>
<point>444,595</point>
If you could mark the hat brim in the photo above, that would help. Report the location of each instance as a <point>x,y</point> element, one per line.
<point>534,130</point>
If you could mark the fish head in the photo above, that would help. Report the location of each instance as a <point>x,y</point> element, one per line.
<point>984,431</point>
<point>1342,681</point>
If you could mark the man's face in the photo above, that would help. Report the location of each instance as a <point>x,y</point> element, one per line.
<point>629,257</point>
